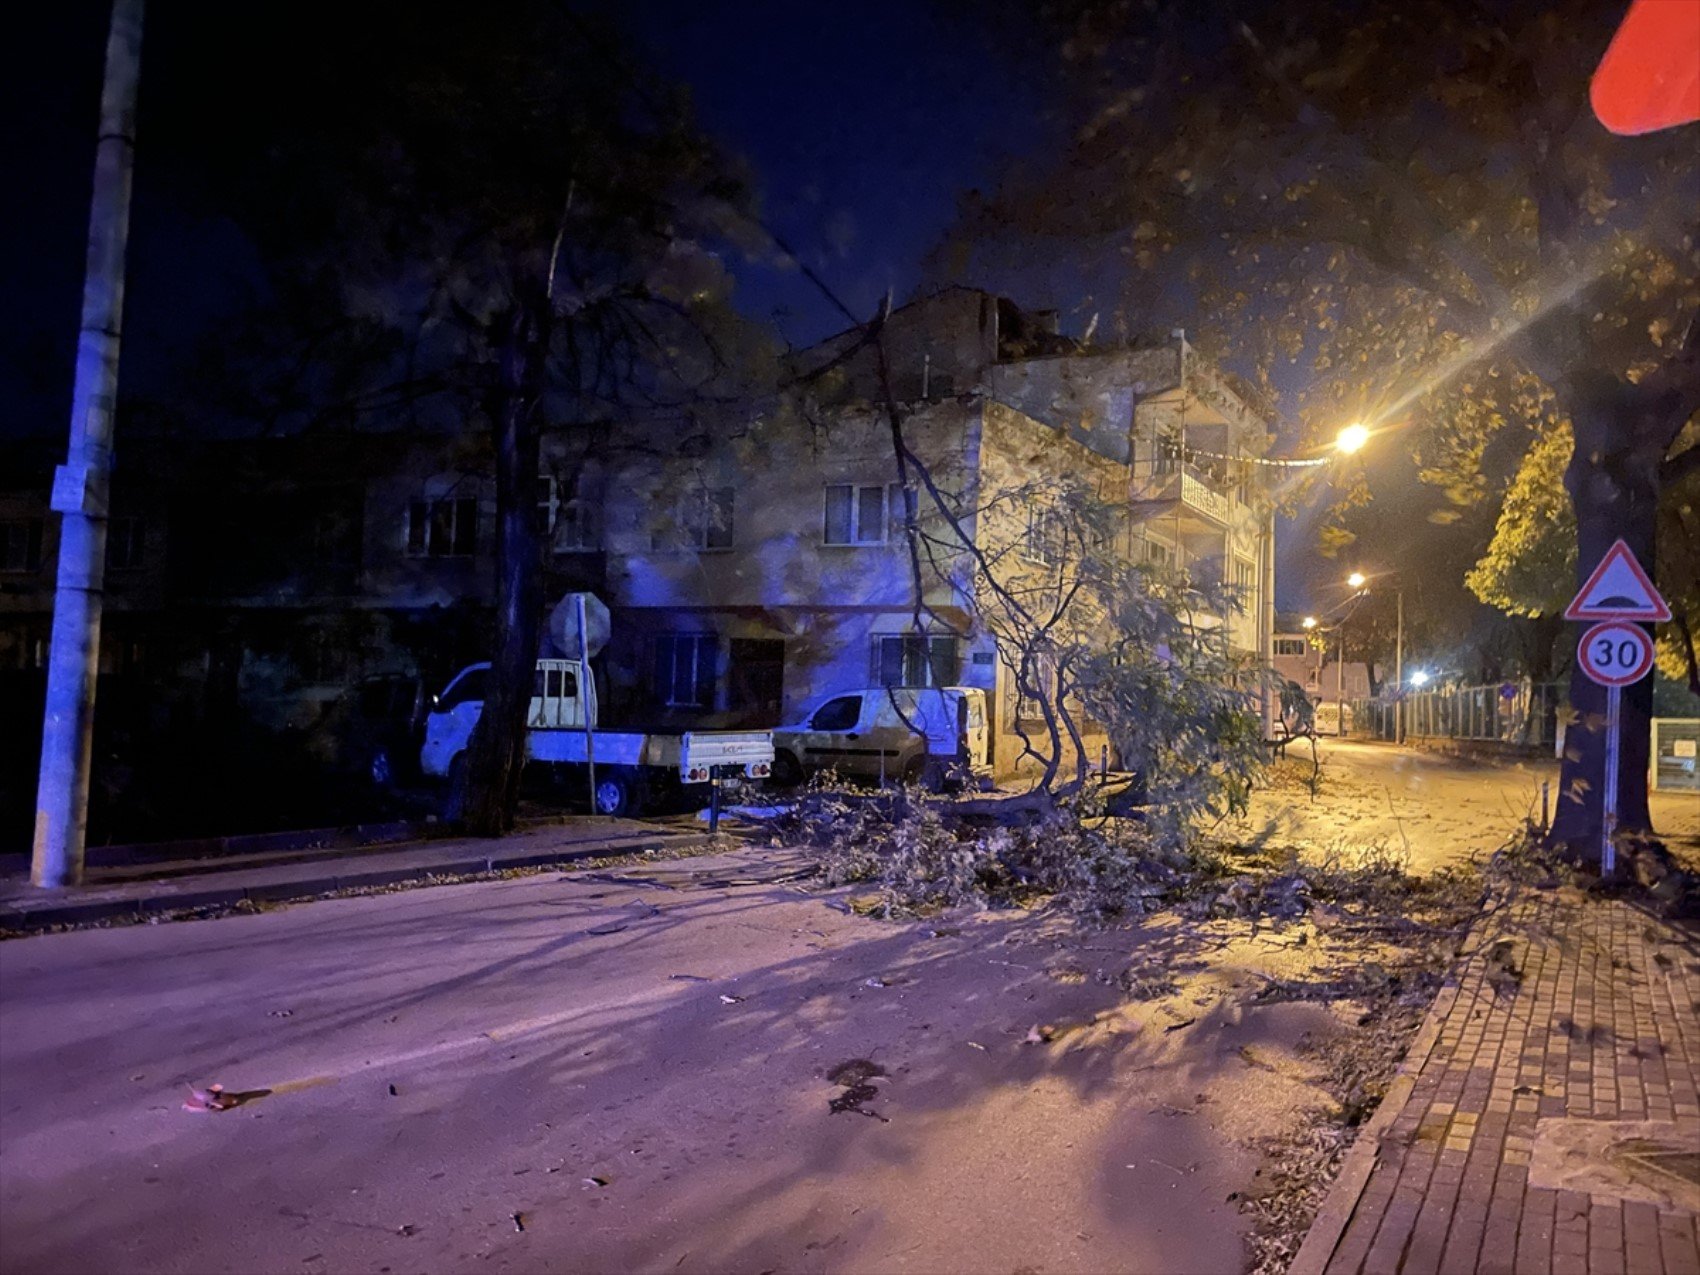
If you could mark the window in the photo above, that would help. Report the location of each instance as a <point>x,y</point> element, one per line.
<point>756,679</point>
<point>20,544</point>
<point>124,544</point>
<point>1244,579</point>
<point>709,518</point>
<point>445,528</point>
<point>684,669</point>
<point>555,683</point>
<point>568,524</point>
<point>1158,555</point>
<point>702,519</point>
<point>321,657</point>
<point>1041,682</point>
<point>1289,646</point>
<point>838,714</point>
<point>1166,454</point>
<point>862,515</point>
<point>468,690</point>
<point>333,529</point>
<point>1046,539</point>
<point>911,660</point>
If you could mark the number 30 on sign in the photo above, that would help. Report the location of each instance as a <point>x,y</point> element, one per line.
<point>1616,653</point>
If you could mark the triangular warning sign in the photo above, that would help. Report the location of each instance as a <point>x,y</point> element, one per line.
<point>1618,590</point>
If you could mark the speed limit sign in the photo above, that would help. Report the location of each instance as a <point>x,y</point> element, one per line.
<point>1616,653</point>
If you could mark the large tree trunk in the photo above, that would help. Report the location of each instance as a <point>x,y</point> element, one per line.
<point>1539,638</point>
<point>1613,480</point>
<point>496,753</point>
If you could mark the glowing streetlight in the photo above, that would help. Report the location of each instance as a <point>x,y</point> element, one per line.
<point>1310,621</point>
<point>1357,579</point>
<point>1419,678</point>
<point>1352,439</point>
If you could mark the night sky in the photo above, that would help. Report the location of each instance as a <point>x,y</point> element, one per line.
<point>862,123</point>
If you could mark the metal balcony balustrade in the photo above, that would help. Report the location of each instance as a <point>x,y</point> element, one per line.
<point>1195,492</point>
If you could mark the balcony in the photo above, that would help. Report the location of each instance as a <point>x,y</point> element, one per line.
<point>1194,500</point>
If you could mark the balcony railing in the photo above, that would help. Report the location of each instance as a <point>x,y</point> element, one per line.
<point>1185,486</point>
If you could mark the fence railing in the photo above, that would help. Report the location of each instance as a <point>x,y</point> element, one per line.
<point>1518,713</point>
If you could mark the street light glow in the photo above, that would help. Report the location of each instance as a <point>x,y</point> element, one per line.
<point>1352,438</point>
<point>1357,579</point>
<point>1419,678</point>
<point>1310,621</point>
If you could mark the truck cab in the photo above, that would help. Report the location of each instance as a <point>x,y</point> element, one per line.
<point>913,734</point>
<point>624,767</point>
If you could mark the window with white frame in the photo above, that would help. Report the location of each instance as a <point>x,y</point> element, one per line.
<point>862,513</point>
<point>124,544</point>
<point>20,544</point>
<point>1046,538</point>
<point>442,528</point>
<point>1244,578</point>
<point>1289,646</point>
<point>1158,555</point>
<point>683,673</point>
<point>568,519</point>
<point>908,659</point>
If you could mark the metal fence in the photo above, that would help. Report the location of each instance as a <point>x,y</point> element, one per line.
<point>1518,713</point>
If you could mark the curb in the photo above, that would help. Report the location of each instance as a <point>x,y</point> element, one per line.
<point>331,840</point>
<point>307,842</point>
<point>30,919</point>
<point>1342,1198</point>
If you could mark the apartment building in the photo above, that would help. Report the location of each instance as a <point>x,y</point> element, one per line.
<point>766,572</point>
<point>751,568</point>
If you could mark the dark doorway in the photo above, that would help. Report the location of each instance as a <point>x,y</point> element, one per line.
<point>757,691</point>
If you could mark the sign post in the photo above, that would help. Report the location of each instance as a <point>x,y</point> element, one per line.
<point>1615,653</point>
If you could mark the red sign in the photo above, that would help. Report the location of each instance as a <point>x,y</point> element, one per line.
<point>1649,78</point>
<point>1615,653</point>
<point>1619,589</point>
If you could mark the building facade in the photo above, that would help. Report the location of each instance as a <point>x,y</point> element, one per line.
<point>751,568</point>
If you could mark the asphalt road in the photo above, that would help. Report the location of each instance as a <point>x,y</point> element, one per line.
<point>640,1069</point>
<point>1440,809</point>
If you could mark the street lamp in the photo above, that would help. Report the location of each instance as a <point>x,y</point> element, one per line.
<point>1351,439</point>
<point>1310,621</point>
<point>1419,678</point>
<point>1356,579</point>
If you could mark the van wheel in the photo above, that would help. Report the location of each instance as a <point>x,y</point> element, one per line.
<point>618,794</point>
<point>787,772</point>
<point>915,774</point>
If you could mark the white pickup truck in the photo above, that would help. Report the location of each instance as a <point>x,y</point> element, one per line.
<point>630,765</point>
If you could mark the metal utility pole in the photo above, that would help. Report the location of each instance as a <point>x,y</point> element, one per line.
<point>81,484</point>
<point>1340,685</point>
<point>1399,675</point>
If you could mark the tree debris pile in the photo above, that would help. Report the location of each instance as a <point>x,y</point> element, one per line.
<point>924,856</point>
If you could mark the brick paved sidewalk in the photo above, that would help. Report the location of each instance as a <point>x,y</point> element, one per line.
<point>1567,1047</point>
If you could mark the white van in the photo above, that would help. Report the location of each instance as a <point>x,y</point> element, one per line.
<point>916,734</point>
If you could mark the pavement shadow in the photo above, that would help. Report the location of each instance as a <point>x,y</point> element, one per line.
<point>622,1022</point>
